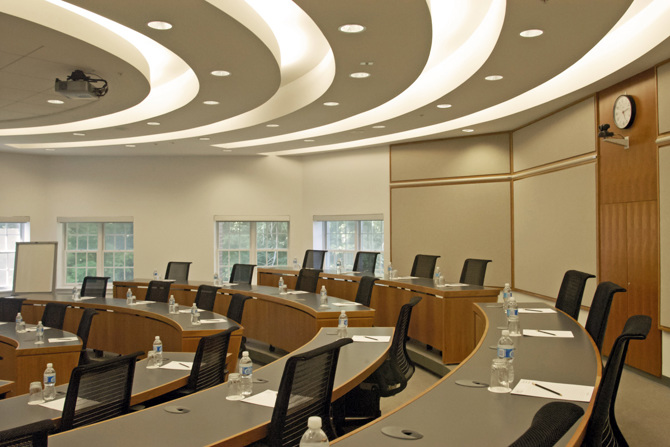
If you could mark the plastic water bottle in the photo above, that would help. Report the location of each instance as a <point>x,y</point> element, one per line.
<point>507,291</point>
<point>512,307</point>
<point>75,294</point>
<point>49,392</point>
<point>389,271</point>
<point>324,296</point>
<point>156,277</point>
<point>339,266</point>
<point>506,350</point>
<point>281,284</point>
<point>296,266</point>
<point>342,325</point>
<point>172,305</point>
<point>20,324</point>
<point>246,368</point>
<point>158,349</point>
<point>437,277</point>
<point>40,333</point>
<point>314,436</point>
<point>216,279</point>
<point>129,296</point>
<point>195,315</point>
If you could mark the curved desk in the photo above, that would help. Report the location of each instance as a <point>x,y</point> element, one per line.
<point>450,414</point>
<point>443,319</point>
<point>213,420</point>
<point>23,361</point>
<point>124,329</point>
<point>284,321</point>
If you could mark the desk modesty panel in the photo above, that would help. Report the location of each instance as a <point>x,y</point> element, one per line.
<point>456,415</point>
<point>443,319</point>
<point>284,321</point>
<point>124,329</point>
<point>214,421</point>
<point>24,361</point>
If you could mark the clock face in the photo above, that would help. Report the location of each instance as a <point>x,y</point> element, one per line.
<point>624,111</point>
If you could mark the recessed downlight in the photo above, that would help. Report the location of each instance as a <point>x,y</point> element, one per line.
<point>220,73</point>
<point>226,150</point>
<point>308,141</point>
<point>352,28</point>
<point>493,78</point>
<point>468,130</point>
<point>79,134</point>
<point>50,150</point>
<point>55,101</point>
<point>203,138</point>
<point>130,145</point>
<point>153,123</point>
<point>210,103</point>
<point>379,126</point>
<point>360,75</point>
<point>272,125</point>
<point>443,106</point>
<point>531,33</point>
<point>331,103</point>
<point>159,25</point>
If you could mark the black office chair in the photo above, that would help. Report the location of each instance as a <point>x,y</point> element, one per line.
<point>158,291</point>
<point>209,364</point>
<point>94,286</point>
<point>9,307</point>
<point>205,297</point>
<point>34,434</point>
<point>424,266</point>
<point>362,404</point>
<point>474,271</point>
<point>596,322</point>
<point>242,273</point>
<point>83,331</point>
<point>364,292</point>
<point>314,259</point>
<point>98,391</point>
<point>307,280</point>
<point>305,390</point>
<point>54,315</point>
<point>603,429</point>
<point>177,271</point>
<point>365,261</point>
<point>550,424</point>
<point>572,291</point>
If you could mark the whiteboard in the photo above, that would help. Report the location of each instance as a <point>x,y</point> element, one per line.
<point>35,267</point>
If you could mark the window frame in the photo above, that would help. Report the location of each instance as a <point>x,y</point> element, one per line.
<point>24,236</point>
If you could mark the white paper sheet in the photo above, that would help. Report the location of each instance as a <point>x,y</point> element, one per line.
<point>539,310</point>
<point>188,311</point>
<point>180,366</point>
<point>63,339</point>
<point>405,277</point>
<point>213,320</point>
<point>547,333</point>
<point>266,398</point>
<point>138,303</point>
<point>84,298</point>
<point>296,292</point>
<point>58,404</point>
<point>562,391</point>
<point>371,338</point>
<point>346,304</point>
<point>453,284</point>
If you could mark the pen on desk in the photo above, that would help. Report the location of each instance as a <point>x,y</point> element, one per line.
<point>545,332</point>
<point>547,389</point>
<point>371,338</point>
<point>184,364</point>
<point>532,310</point>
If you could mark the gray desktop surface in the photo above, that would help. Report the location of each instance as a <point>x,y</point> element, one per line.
<point>454,415</point>
<point>27,340</point>
<point>212,418</point>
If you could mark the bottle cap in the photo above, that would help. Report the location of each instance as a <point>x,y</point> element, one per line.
<point>314,422</point>
<point>40,322</point>
<point>157,337</point>
<point>505,332</point>
<point>343,312</point>
<point>50,365</point>
<point>245,353</point>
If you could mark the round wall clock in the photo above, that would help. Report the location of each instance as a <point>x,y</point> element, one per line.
<point>624,111</point>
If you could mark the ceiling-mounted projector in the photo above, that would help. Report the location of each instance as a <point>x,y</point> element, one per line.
<point>80,86</point>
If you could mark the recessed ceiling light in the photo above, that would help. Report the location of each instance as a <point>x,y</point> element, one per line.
<point>130,145</point>
<point>379,127</point>
<point>309,141</point>
<point>531,33</point>
<point>468,130</point>
<point>226,150</point>
<point>79,134</point>
<point>220,73</point>
<point>360,75</point>
<point>331,103</point>
<point>210,103</point>
<point>493,78</point>
<point>51,150</point>
<point>272,125</point>
<point>203,138</point>
<point>153,123</point>
<point>443,106</point>
<point>159,25</point>
<point>352,28</point>
<point>55,101</point>
<point>367,64</point>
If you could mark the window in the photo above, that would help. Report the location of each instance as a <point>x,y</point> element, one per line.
<point>263,243</point>
<point>10,234</point>
<point>343,238</point>
<point>98,249</point>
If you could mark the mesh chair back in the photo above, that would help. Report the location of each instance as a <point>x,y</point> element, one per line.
<point>424,266</point>
<point>177,271</point>
<point>9,307</point>
<point>242,273</point>
<point>365,261</point>
<point>474,271</point>
<point>34,434</point>
<point>158,291</point>
<point>550,423</point>
<point>596,322</point>
<point>305,390</point>
<point>603,429</point>
<point>83,331</point>
<point>94,286</point>
<point>364,292</point>
<point>236,307</point>
<point>205,297</point>
<point>307,280</point>
<point>314,259</point>
<point>209,364</point>
<point>570,294</point>
<point>54,315</point>
<point>99,391</point>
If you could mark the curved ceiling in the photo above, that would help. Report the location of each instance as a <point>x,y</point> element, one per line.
<point>288,59</point>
